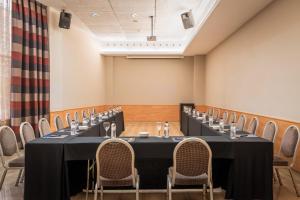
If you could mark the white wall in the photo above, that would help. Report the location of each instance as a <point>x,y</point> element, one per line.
<point>76,69</point>
<point>257,70</point>
<point>149,81</point>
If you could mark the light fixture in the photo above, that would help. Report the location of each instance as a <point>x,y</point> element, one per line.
<point>94,14</point>
<point>133,15</point>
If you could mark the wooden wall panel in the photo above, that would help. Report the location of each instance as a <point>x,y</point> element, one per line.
<point>282,126</point>
<point>72,111</point>
<point>150,113</point>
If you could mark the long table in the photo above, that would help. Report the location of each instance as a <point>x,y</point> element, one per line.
<point>56,168</point>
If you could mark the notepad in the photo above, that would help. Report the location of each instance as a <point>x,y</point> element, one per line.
<point>55,136</point>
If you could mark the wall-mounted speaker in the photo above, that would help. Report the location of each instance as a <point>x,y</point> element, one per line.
<point>65,20</point>
<point>187,20</point>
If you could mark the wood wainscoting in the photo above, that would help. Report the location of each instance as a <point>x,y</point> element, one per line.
<point>132,113</point>
<point>150,113</point>
<point>63,113</point>
<point>281,123</point>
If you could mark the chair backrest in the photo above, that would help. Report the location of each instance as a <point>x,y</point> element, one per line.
<point>270,131</point>
<point>290,141</point>
<point>192,157</point>
<point>68,119</point>
<point>241,122</point>
<point>209,111</point>
<point>232,118</point>
<point>44,127</point>
<point>225,117</point>
<point>216,114</point>
<point>83,114</point>
<point>115,160</point>
<point>8,143</point>
<point>253,125</point>
<point>58,123</point>
<point>76,116</point>
<point>26,133</point>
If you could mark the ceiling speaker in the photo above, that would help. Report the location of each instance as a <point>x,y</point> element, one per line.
<point>187,20</point>
<point>65,20</point>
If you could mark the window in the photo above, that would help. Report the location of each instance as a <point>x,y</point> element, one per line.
<point>5,58</point>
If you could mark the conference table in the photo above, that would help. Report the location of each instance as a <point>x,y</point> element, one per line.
<point>56,168</point>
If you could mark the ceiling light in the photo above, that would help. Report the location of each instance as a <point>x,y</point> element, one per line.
<point>133,15</point>
<point>94,14</point>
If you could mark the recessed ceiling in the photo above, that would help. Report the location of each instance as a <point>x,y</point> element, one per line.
<point>122,26</point>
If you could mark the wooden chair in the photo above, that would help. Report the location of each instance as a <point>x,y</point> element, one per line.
<point>58,123</point>
<point>232,118</point>
<point>216,114</point>
<point>44,127</point>
<point>115,166</point>
<point>253,126</point>
<point>68,119</point>
<point>225,117</point>
<point>241,122</point>
<point>26,133</point>
<point>9,148</point>
<point>270,131</point>
<point>288,149</point>
<point>191,166</point>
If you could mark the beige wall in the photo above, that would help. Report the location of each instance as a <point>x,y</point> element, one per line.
<point>76,68</point>
<point>150,81</point>
<point>257,69</point>
<point>199,80</point>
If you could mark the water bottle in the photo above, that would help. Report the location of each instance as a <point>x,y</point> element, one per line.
<point>210,121</point>
<point>113,130</point>
<point>232,131</point>
<point>221,123</point>
<point>194,113</point>
<point>73,127</point>
<point>166,130</point>
<point>204,118</point>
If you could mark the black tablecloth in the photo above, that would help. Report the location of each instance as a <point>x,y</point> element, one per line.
<point>56,168</point>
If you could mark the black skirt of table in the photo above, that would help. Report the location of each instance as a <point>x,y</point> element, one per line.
<point>56,168</point>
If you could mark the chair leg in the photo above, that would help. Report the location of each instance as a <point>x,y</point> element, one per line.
<point>19,177</point>
<point>87,180</point>
<point>2,178</point>
<point>137,188</point>
<point>169,188</point>
<point>101,197</point>
<point>23,177</point>
<point>204,191</point>
<point>96,192</point>
<point>211,191</point>
<point>278,176</point>
<point>294,183</point>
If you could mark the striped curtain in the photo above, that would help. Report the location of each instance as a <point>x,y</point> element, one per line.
<point>30,64</point>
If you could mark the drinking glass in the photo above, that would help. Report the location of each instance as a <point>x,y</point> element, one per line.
<point>158,127</point>
<point>210,121</point>
<point>106,126</point>
<point>221,123</point>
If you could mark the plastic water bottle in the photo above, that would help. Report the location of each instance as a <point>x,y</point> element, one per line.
<point>210,121</point>
<point>113,130</point>
<point>221,123</point>
<point>232,131</point>
<point>204,118</point>
<point>166,130</point>
<point>73,127</point>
